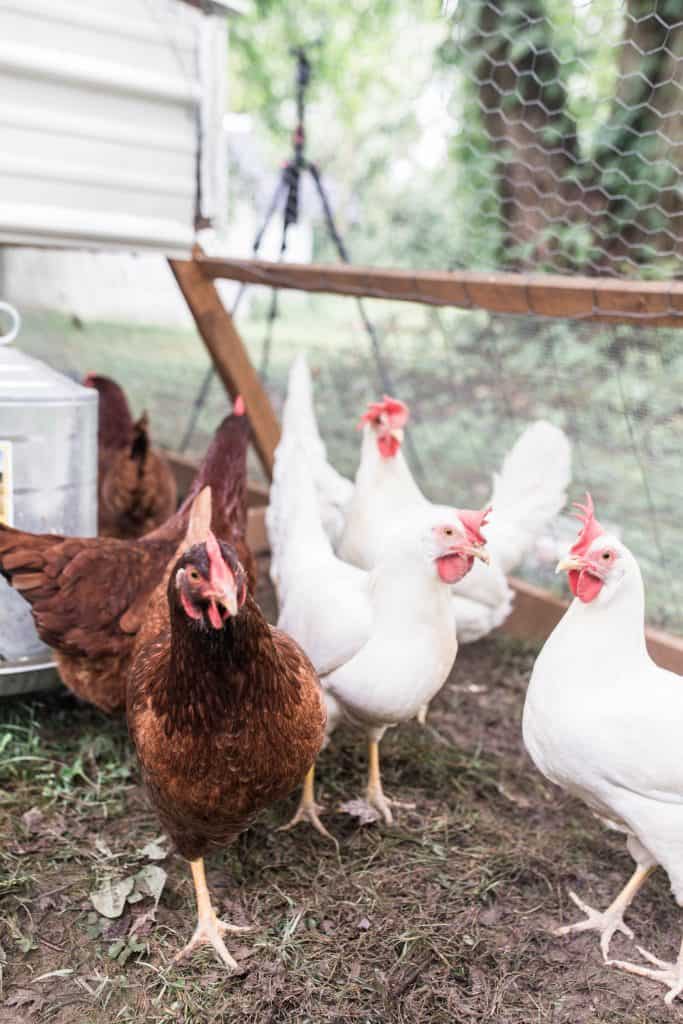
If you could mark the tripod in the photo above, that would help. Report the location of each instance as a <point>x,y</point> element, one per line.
<point>288,189</point>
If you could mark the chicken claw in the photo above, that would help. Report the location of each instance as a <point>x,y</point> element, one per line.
<point>609,921</point>
<point>606,922</point>
<point>667,974</point>
<point>209,932</point>
<point>308,810</point>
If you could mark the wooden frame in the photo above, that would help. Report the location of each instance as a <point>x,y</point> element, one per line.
<point>229,355</point>
<point>654,303</point>
<point>657,303</point>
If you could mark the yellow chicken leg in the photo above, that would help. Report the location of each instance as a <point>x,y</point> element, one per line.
<point>374,794</point>
<point>210,929</point>
<point>609,921</point>
<point>308,809</point>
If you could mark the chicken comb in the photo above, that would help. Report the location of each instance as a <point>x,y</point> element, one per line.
<point>239,408</point>
<point>473,523</point>
<point>219,572</point>
<point>591,527</point>
<point>394,408</point>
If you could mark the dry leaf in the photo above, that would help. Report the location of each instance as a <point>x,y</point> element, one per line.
<point>111,898</point>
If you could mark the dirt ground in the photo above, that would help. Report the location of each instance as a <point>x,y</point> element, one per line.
<point>444,917</point>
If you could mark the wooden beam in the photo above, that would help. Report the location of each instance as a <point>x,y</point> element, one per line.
<point>229,356</point>
<point>257,535</point>
<point>536,612</point>
<point>612,300</point>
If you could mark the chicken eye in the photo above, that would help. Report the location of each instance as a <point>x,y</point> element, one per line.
<point>448,531</point>
<point>193,574</point>
<point>606,555</point>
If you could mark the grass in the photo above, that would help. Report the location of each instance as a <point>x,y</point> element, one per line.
<point>444,917</point>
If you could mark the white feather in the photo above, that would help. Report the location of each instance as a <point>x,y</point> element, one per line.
<point>603,721</point>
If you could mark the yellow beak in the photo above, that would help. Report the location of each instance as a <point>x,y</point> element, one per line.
<point>568,564</point>
<point>481,553</point>
<point>397,434</point>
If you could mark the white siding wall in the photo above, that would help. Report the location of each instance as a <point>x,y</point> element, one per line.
<point>102,108</point>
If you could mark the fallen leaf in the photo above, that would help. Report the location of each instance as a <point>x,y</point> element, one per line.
<point>490,916</point>
<point>154,851</point>
<point>149,881</point>
<point>360,809</point>
<point>33,819</point>
<point>363,925</point>
<point>111,898</point>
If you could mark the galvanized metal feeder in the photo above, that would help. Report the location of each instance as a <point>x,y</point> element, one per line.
<point>48,484</point>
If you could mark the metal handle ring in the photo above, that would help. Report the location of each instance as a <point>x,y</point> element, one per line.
<point>15,323</point>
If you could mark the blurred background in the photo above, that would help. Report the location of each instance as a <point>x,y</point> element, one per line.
<point>518,135</point>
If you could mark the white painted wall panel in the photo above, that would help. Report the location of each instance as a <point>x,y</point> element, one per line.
<point>110,116</point>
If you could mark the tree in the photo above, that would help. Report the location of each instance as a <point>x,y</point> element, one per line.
<point>590,186</point>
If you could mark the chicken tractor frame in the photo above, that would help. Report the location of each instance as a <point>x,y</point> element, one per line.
<point>609,300</point>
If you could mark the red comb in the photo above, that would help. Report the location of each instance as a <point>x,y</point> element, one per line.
<point>591,527</point>
<point>239,408</point>
<point>473,523</point>
<point>396,410</point>
<point>219,572</point>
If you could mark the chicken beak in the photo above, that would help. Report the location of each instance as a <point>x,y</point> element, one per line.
<point>569,564</point>
<point>227,598</point>
<point>479,552</point>
<point>398,434</point>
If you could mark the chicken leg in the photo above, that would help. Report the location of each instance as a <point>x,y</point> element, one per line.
<point>308,809</point>
<point>667,974</point>
<point>210,930</point>
<point>609,921</point>
<point>375,804</point>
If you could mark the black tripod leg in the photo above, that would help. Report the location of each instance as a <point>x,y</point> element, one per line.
<point>382,369</point>
<point>205,386</point>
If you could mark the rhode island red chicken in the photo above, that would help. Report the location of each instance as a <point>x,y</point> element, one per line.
<point>89,595</point>
<point>136,490</point>
<point>225,712</point>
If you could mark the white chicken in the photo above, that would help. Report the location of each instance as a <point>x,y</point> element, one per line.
<point>382,642</point>
<point>527,494</point>
<point>603,721</point>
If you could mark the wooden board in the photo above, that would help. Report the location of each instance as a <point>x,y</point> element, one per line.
<point>229,356</point>
<point>655,303</point>
<point>536,612</point>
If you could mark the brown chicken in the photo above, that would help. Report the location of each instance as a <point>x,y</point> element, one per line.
<point>89,595</point>
<point>225,711</point>
<point>136,489</point>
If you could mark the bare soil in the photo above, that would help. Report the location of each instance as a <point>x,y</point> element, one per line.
<point>444,917</point>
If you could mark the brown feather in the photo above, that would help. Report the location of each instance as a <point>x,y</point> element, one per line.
<point>88,595</point>
<point>224,721</point>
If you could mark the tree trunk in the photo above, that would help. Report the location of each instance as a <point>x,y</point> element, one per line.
<point>523,106</point>
<point>627,197</point>
<point>641,161</point>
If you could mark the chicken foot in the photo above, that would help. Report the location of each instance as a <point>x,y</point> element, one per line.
<point>308,809</point>
<point>667,974</point>
<point>610,921</point>
<point>210,930</point>
<point>376,802</point>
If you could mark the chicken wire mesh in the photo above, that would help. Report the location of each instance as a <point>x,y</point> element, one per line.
<point>474,381</point>
<point>568,149</point>
<point>570,134</point>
